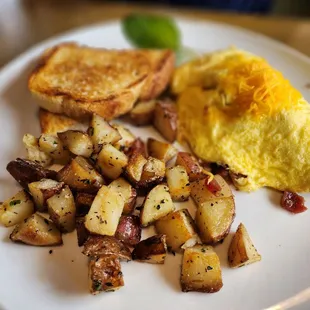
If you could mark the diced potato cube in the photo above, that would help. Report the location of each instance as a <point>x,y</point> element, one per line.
<point>201,270</point>
<point>153,172</point>
<point>152,250</point>
<point>165,120</point>
<point>53,146</point>
<point>200,192</point>
<point>129,229</point>
<point>106,245</point>
<point>16,209</point>
<point>25,171</point>
<point>137,147</point>
<point>157,204</point>
<point>104,274</point>
<point>42,190</point>
<point>127,138</point>
<point>134,168</point>
<point>214,218</point>
<point>111,161</point>
<point>105,212</point>
<point>121,186</point>
<point>178,183</point>
<point>178,227</point>
<point>80,175</point>
<point>77,142</point>
<point>36,230</point>
<point>61,208</point>
<point>160,150</point>
<point>242,250</point>
<point>190,163</point>
<point>34,153</point>
<point>143,113</point>
<point>102,132</point>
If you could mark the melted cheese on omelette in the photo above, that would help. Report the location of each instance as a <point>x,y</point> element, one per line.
<point>235,109</point>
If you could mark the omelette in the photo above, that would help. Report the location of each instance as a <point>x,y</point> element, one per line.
<point>235,109</point>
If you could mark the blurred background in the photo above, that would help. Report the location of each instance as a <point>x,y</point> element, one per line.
<point>26,22</point>
<point>284,7</point>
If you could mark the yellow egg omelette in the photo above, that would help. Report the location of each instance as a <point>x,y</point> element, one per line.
<point>235,109</point>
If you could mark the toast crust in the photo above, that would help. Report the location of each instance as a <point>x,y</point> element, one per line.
<point>79,81</point>
<point>162,65</point>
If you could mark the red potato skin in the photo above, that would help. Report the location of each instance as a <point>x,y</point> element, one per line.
<point>83,203</point>
<point>25,171</point>
<point>155,245</point>
<point>213,186</point>
<point>130,205</point>
<point>81,231</point>
<point>166,119</point>
<point>69,177</point>
<point>129,230</point>
<point>191,165</point>
<point>138,146</point>
<point>97,245</point>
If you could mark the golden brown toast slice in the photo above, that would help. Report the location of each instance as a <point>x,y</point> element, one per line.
<point>78,81</point>
<point>162,64</point>
<point>52,123</point>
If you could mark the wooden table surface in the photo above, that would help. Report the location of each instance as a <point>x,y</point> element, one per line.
<point>24,23</point>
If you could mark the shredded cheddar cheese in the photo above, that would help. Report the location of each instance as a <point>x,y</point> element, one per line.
<point>244,83</point>
<point>255,87</point>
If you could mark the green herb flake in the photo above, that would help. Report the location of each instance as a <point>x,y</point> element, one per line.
<point>97,285</point>
<point>55,142</point>
<point>203,250</point>
<point>15,202</point>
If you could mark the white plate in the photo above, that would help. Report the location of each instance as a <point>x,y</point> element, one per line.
<point>33,279</point>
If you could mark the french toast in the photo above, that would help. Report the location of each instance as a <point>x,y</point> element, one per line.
<point>78,81</point>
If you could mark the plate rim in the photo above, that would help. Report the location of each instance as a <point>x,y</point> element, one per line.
<point>22,58</point>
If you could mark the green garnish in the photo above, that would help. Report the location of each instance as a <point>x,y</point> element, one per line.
<point>155,31</point>
<point>151,31</point>
<point>15,202</point>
